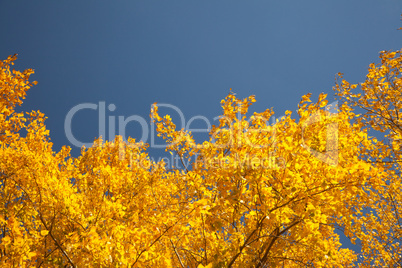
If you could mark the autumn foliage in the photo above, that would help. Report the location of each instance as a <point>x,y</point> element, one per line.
<point>379,99</point>
<point>257,194</point>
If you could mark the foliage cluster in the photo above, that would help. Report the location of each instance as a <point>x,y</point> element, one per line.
<point>258,195</point>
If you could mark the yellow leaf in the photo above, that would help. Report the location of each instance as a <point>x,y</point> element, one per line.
<point>6,240</point>
<point>44,232</point>
<point>323,103</point>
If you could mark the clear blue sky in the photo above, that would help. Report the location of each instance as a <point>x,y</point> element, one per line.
<point>188,53</point>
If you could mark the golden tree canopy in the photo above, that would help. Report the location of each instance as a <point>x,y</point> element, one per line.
<point>256,195</point>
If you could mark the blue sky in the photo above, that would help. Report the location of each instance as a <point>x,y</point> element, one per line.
<point>188,54</point>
